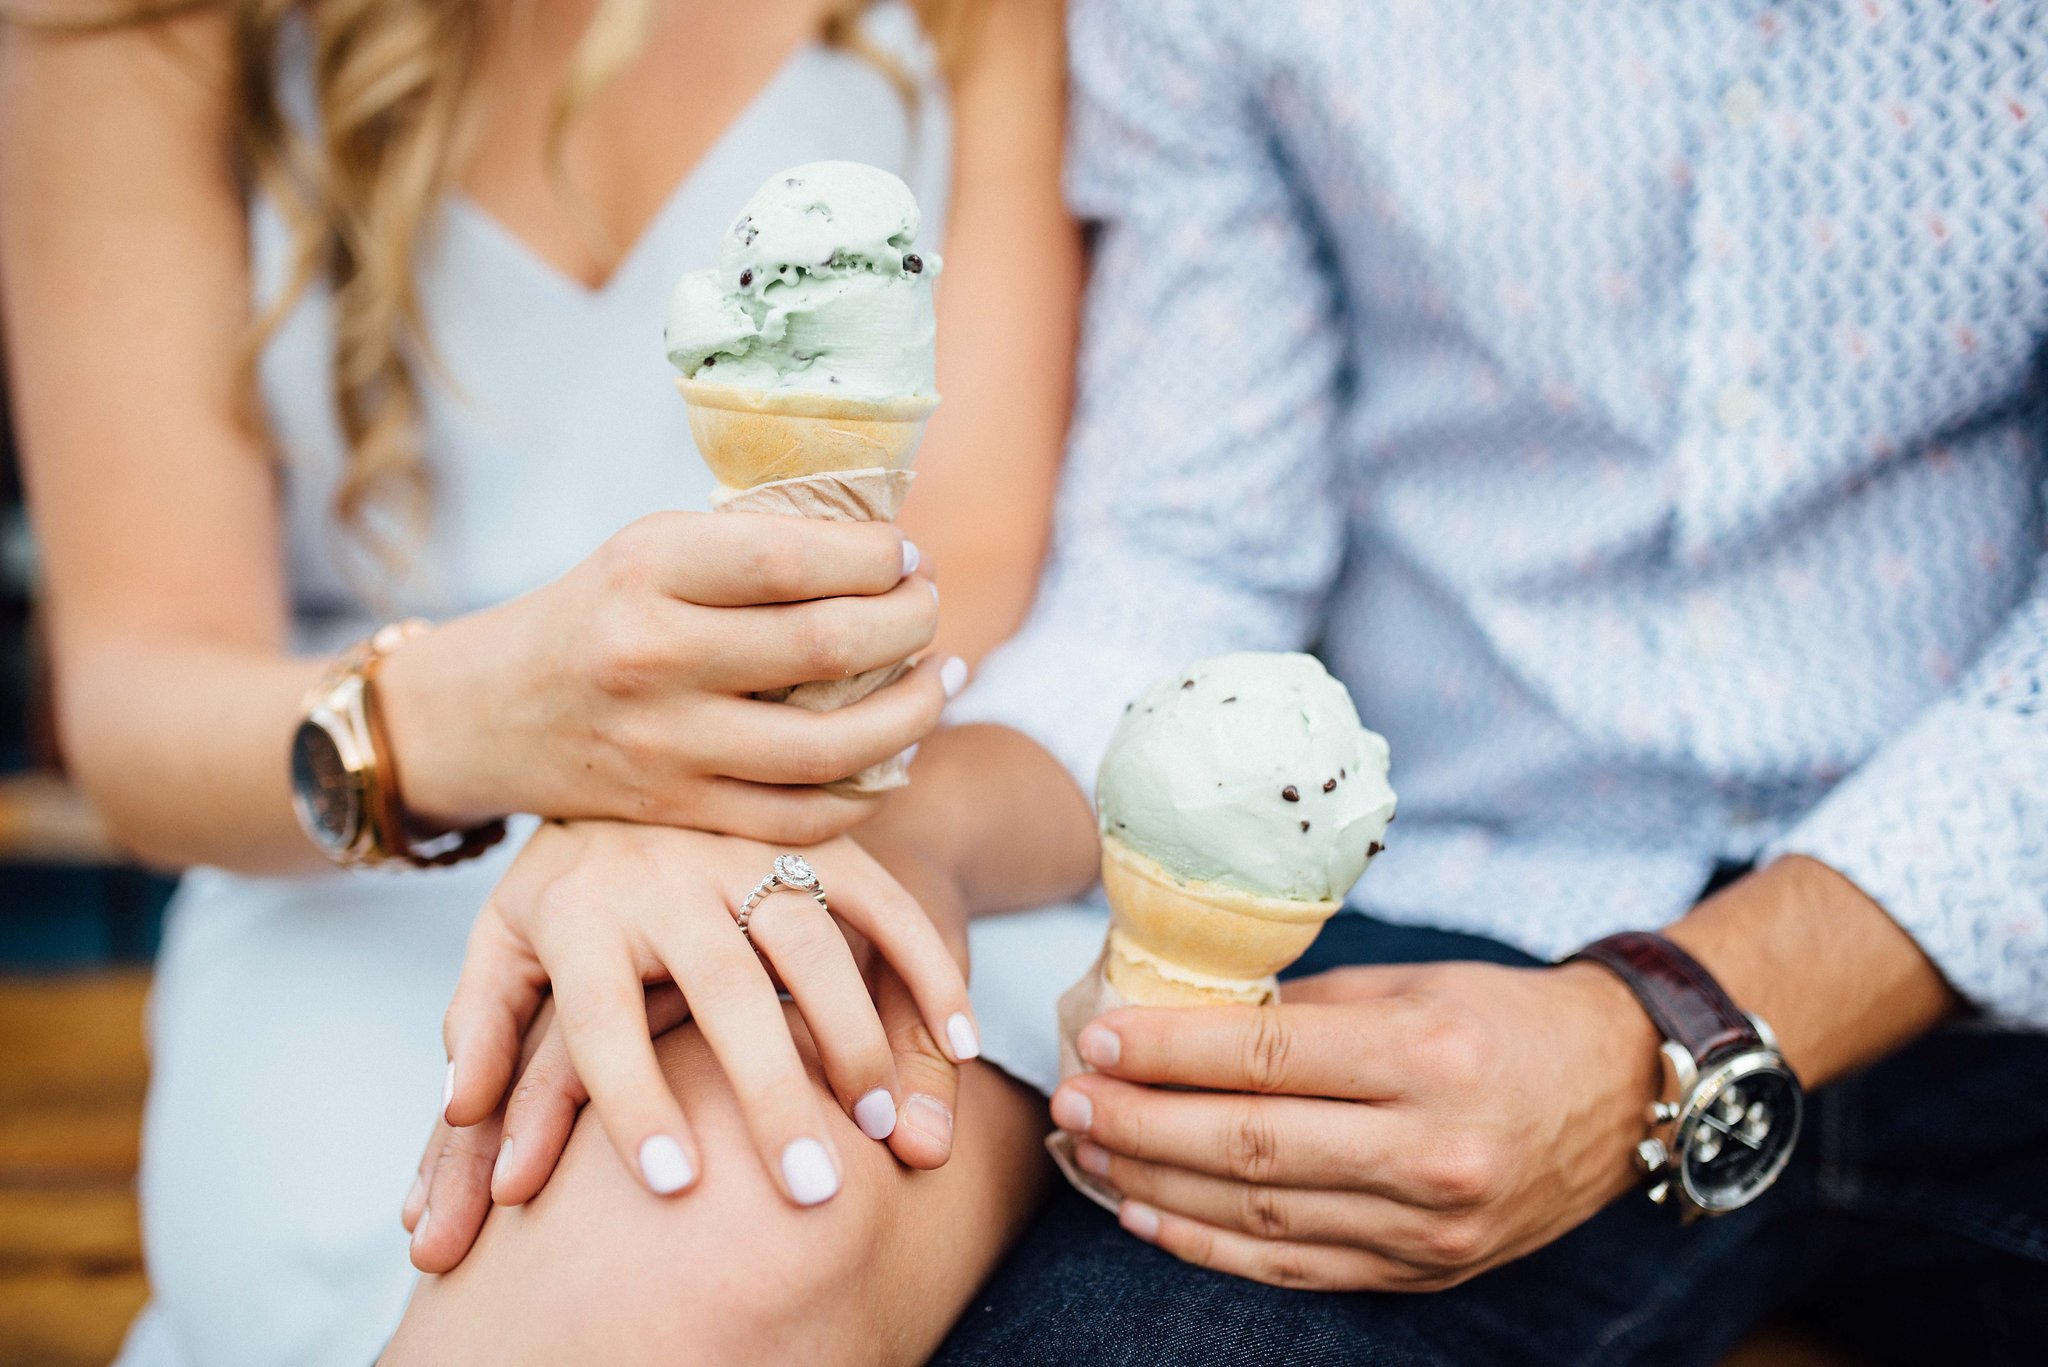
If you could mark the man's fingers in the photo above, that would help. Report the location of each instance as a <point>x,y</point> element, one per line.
<point>601,1006</point>
<point>538,1119</point>
<point>495,999</point>
<point>1288,1214</point>
<point>766,742</point>
<point>416,1197</point>
<point>1304,1267</point>
<point>1353,1052</point>
<point>1280,1141</point>
<point>928,1082</point>
<point>732,560</point>
<point>458,1197</point>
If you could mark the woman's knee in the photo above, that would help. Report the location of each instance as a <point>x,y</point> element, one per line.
<point>597,1268</point>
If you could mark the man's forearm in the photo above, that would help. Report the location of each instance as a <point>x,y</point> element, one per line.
<point>1837,979</point>
<point>996,815</point>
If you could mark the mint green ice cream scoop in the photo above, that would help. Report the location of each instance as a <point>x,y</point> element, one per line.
<point>1250,770</point>
<point>819,287</point>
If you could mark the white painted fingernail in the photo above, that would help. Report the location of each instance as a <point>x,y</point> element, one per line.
<point>419,1231</point>
<point>415,1191</point>
<point>953,676</point>
<point>933,585</point>
<point>448,1086</point>
<point>911,557</point>
<point>665,1166</point>
<point>1099,1046</point>
<point>875,1113</point>
<point>960,1034</point>
<point>504,1164</point>
<point>808,1172</point>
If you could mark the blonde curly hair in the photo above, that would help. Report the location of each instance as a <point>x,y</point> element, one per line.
<point>394,84</point>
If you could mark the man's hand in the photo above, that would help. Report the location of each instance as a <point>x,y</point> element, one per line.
<point>1388,1128</point>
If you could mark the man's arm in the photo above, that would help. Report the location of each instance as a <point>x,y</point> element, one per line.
<point>1501,1104</point>
<point>1946,829</point>
<point>1841,983</point>
<point>1921,881</point>
<point>992,818</point>
<point>1199,510</point>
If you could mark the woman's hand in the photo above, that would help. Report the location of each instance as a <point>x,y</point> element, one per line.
<point>1387,1128</point>
<point>621,689</point>
<point>509,1155</point>
<point>599,909</point>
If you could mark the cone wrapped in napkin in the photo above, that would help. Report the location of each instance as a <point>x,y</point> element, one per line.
<point>807,366</point>
<point>1239,801</point>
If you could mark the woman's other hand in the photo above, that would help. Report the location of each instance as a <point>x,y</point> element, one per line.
<point>597,910</point>
<point>621,689</point>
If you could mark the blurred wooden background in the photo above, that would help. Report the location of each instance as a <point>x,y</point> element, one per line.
<point>72,1073</point>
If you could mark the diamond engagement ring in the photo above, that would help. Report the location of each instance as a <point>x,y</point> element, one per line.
<point>793,873</point>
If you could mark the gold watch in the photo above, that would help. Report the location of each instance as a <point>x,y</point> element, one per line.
<point>345,782</point>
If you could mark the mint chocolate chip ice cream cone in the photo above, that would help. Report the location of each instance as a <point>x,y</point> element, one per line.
<point>806,361</point>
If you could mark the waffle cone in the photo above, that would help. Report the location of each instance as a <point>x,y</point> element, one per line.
<point>818,456</point>
<point>1173,942</point>
<point>760,436</point>
<point>1178,943</point>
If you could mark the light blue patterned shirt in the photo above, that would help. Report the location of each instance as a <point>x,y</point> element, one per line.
<point>1638,404</point>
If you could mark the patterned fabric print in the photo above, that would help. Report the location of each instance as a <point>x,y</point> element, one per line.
<point>1640,403</point>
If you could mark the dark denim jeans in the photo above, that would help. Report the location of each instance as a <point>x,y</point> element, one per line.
<point>1912,1227</point>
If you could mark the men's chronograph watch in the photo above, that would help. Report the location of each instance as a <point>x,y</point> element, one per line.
<point>1726,1132</point>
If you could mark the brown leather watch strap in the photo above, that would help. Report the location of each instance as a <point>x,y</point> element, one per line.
<point>1679,995</point>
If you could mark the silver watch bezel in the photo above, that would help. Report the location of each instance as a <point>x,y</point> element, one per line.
<point>1672,1173</point>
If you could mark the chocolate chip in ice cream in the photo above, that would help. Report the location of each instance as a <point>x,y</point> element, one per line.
<point>1291,793</point>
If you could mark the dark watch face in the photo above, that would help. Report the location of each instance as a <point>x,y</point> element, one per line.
<point>327,795</point>
<point>1737,1135</point>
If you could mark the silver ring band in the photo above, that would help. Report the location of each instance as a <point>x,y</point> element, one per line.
<point>792,873</point>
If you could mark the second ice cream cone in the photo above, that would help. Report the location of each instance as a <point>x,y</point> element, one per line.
<point>1179,943</point>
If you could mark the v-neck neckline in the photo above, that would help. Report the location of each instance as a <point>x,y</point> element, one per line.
<point>465,208</point>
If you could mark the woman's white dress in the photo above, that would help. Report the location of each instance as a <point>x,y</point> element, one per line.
<point>296,1022</point>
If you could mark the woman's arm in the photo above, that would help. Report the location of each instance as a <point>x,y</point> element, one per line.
<point>619,690</point>
<point>125,287</point>
<point>1009,305</point>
